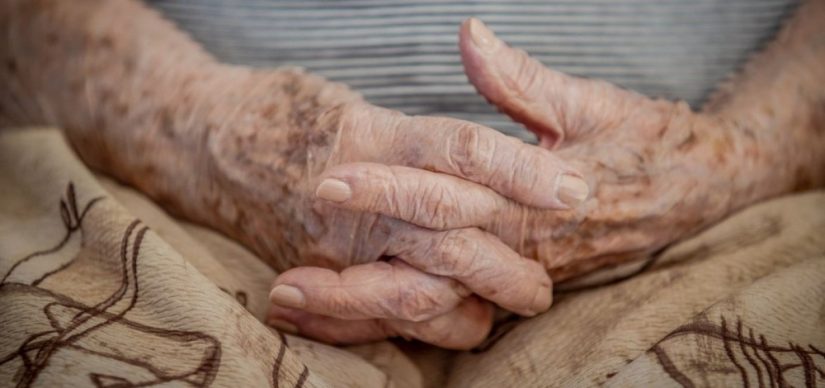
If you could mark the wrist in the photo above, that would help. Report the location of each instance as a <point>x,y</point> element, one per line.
<point>776,159</point>
<point>267,135</point>
<point>752,159</point>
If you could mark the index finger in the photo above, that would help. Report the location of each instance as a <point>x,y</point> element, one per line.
<point>526,173</point>
<point>390,289</point>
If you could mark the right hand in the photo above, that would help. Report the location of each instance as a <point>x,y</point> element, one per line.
<point>289,148</point>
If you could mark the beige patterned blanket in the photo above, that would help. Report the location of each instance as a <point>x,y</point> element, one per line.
<point>101,288</point>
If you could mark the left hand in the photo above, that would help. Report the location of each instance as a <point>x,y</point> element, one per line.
<point>657,172</point>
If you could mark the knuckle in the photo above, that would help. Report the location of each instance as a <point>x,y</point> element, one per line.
<point>357,121</point>
<point>391,197</point>
<point>523,172</point>
<point>464,149</point>
<point>345,118</point>
<point>457,252</point>
<point>341,304</point>
<point>441,206</point>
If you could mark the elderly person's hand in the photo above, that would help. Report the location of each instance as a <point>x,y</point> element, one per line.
<point>309,175</point>
<point>658,172</point>
<point>299,169</point>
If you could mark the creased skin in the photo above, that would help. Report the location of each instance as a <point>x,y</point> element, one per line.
<point>232,147</point>
<point>239,149</point>
<point>661,172</point>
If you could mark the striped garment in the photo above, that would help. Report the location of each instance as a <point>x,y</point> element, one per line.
<point>404,54</point>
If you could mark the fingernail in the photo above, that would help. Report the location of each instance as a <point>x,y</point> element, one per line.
<point>287,296</point>
<point>283,326</point>
<point>572,190</point>
<point>334,190</point>
<point>482,36</point>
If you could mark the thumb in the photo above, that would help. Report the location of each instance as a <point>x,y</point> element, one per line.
<point>555,106</point>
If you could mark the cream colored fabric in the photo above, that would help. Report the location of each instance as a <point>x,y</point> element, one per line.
<point>101,288</point>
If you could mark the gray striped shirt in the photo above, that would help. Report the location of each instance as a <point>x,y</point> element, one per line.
<point>404,54</point>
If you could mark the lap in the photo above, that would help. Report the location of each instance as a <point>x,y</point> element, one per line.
<point>99,284</point>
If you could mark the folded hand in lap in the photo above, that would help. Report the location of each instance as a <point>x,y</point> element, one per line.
<point>387,224</point>
<point>399,205</point>
<point>658,171</point>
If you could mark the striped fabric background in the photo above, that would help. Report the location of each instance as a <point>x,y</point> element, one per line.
<point>404,54</point>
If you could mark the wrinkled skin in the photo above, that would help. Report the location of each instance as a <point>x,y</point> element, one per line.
<point>651,165</point>
<point>440,219</point>
<point>657,170</point>
<point>245,151</point>
<point>425,217</point>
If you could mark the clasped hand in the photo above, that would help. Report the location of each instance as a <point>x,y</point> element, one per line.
<point>416,226</point>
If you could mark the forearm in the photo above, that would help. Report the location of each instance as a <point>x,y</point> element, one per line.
<point>82,62</point>
<point>114,75</point>
<point>217,144</point>
<point>776,110</point>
